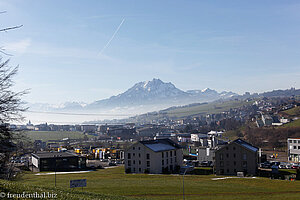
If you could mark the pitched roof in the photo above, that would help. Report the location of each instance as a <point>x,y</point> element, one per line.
<point>246,145</point>
<point>160,145</point>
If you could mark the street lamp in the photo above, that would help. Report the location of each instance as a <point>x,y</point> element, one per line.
<point>55,170</point>
<point>186,169</point>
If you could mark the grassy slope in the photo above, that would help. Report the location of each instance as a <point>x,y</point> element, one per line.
<point>293,111</point>
<point>210,108</point>
<point>54,135</point>
<point>295,123</point>
<point>115,182</point>
<point>61,194</point>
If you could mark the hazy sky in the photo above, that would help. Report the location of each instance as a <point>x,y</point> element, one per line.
<point>224,45</point>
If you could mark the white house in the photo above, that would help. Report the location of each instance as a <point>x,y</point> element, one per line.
<point>153,156</point>
<point>294,149</point>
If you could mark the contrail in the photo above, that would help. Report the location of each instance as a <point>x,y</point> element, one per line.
<point>112,37</point>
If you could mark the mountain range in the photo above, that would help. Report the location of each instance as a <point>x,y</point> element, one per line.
<point>155,93</point>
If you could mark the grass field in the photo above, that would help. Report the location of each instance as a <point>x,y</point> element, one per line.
<point>210,108</point>
<point>54,135</point>
<point>114,182</point>
<point>293,112</point>
<point>295,123</point>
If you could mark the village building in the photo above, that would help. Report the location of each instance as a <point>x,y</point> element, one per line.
<point>153,156</point>
<point>57,161</point>
<point>293,149</point>
<point>237,156</point>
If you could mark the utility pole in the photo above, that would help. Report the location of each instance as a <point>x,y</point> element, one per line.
<point>55,171</point>
<point>185,170</point>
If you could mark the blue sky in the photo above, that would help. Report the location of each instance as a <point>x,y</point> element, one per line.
<point>224,45</point>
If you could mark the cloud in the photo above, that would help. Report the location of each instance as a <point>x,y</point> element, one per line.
<point>19,47</point>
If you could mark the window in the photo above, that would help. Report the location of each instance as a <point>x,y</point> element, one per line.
<point>162,154</point>
<point>295,147</point>
<point>133,148</point>
<point>298,141</point>
<point>171,153</point>
<point>134,162</point>
<point>234,155</point>
<point>140,162</point>
<point>129,163</point>
<point>221,164</point>
<point>171,160</point>
<point>221,156</point>
<point>129,156</point>
<point>140,170</point>
<point>244,156</point>
<point>298,147</point>
<point>148,163</point>
<point>295,141</point>
<point>139,155</point>
<point>133,154</point>
<point>175,160</point>
<point>139,148</point>
<point>148,156</point>
<point>167,154</point>
<point>162,162</point>
<point>167,161</point>
<point>233,148</point>
<point>221,171</point>
<point>227,155</point>
<point>244,164</point>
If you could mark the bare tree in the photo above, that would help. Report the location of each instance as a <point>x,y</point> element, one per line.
<point>10,110</point>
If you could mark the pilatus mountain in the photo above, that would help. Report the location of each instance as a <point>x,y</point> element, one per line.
<point>157,92</point>
<point>154,94</point>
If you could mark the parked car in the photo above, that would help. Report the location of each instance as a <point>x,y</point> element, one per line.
<point>295,166</point>
<point>282,166</point>
<point>112,164</point>
<point>265,165</point>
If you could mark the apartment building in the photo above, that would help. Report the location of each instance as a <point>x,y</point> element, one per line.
<point>153,156</point>
<point>293,149</point>
<point>237,156</point>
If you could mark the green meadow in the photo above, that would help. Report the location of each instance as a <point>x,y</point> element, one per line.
<point>54,135</point>
<point>114,182</point>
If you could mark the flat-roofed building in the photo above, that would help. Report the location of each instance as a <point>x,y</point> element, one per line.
<point>293,149</point>
<point>57,161</point>
<point>153,156</point>
<point>237,156</point>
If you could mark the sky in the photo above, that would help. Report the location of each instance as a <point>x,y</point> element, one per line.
<point>90,50</point>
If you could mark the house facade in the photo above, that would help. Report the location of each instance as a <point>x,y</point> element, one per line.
<point>57,161</point>
<point>237,156</point>
<point>153,156</point>
<point>293,149</point>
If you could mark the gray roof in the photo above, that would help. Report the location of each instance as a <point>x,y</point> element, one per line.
<point>161,145</point>
<point>246,145</point>
<point>54,154</point>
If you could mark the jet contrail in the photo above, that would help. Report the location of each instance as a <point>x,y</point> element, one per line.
<point>112,37</point>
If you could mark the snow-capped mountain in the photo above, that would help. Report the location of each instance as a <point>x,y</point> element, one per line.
<point>157,92</point>
<point>154,94</point>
